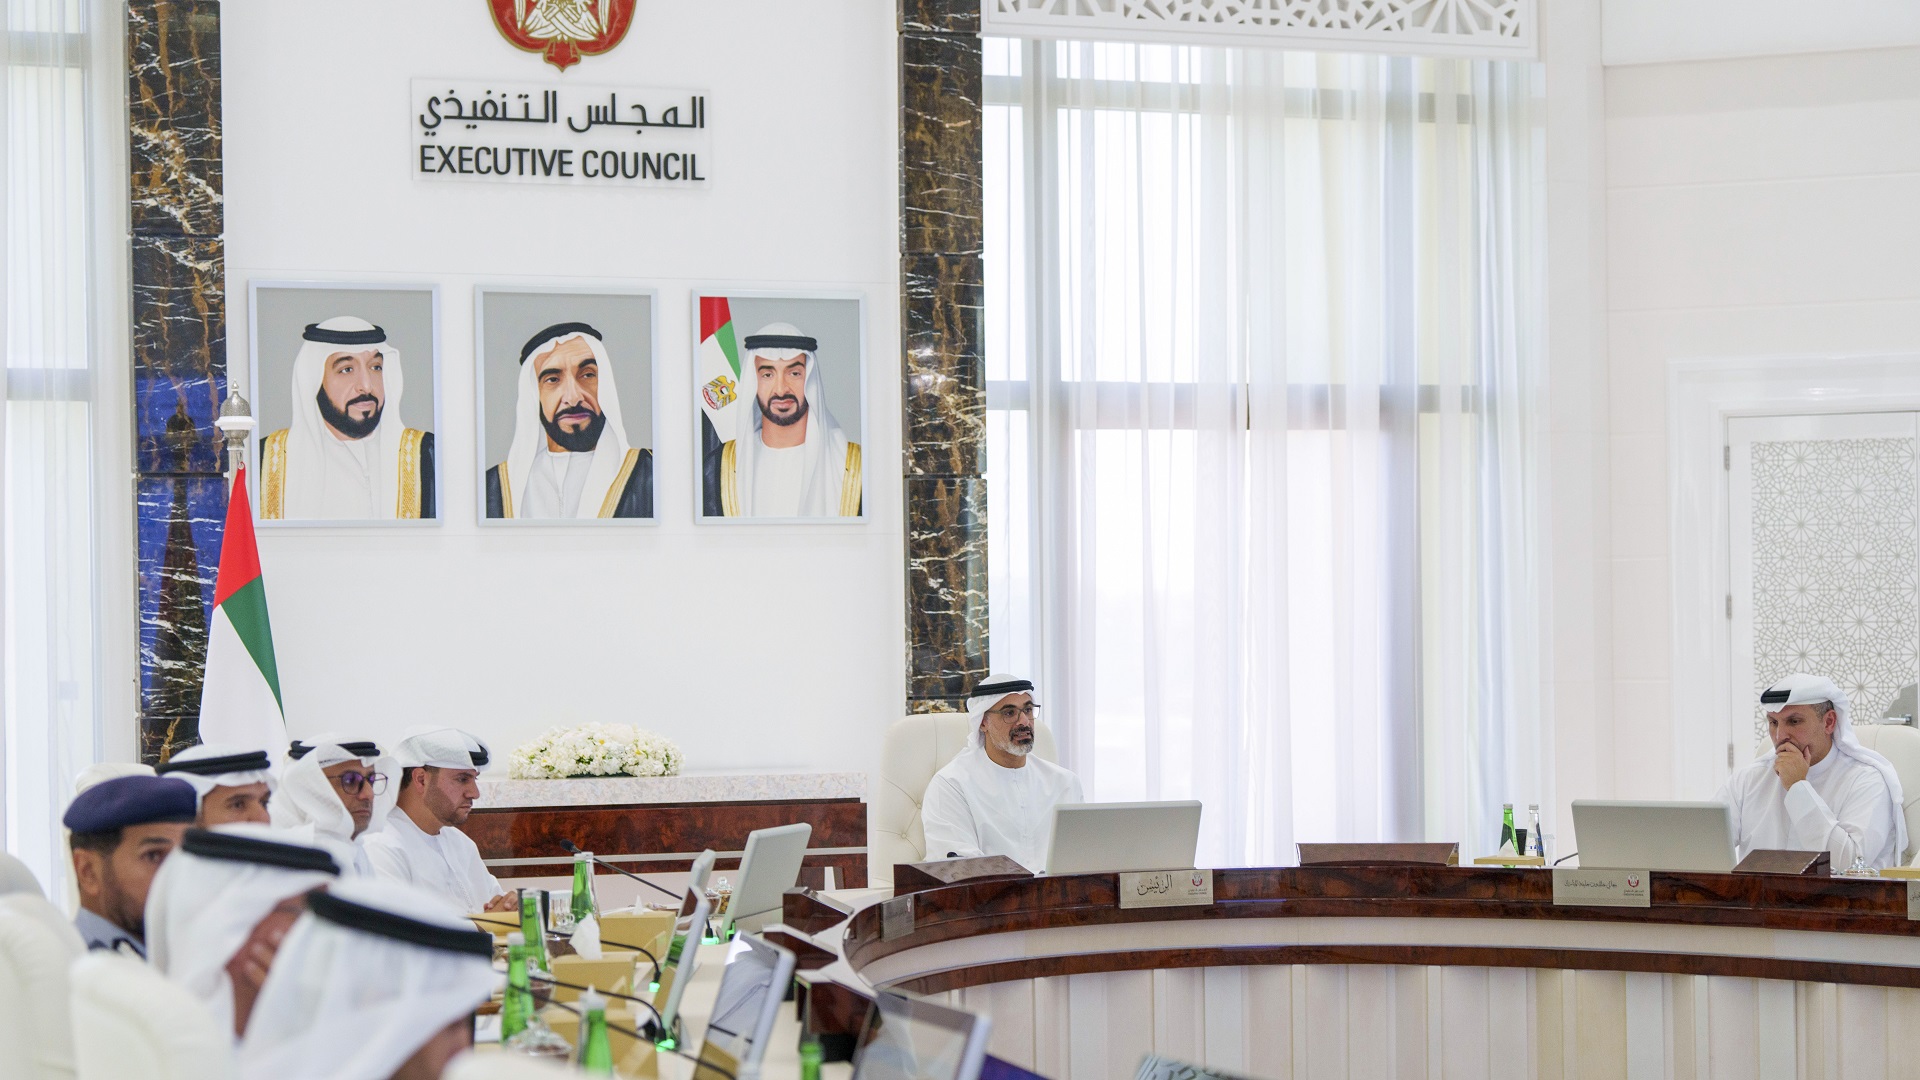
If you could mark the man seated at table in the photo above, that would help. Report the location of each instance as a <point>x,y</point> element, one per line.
<point>234,785</point>
<point>122,830</point>
<point>994,797</point>
<point>337,784</point>
<point>221,906</point>
<point>377,979</point>
<point>422,843</point>
<point>1819,790</point>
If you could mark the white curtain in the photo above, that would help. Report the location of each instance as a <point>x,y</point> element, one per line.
<point>51,729</point>
<point>1268,426</point>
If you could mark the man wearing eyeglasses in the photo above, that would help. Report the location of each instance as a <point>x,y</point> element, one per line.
<point>338,785</point>
<point>994,797</point>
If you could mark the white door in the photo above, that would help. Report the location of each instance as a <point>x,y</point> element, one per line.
<point>1825,562</point>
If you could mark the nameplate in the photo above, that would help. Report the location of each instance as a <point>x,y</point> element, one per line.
<point>1602,888</point>
<point>1166,888</point>
<point>896,918</point>
<point>1913,900</point>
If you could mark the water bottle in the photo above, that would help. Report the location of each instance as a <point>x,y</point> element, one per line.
<point>1509,842</point>
<point>583,902</point>
<point>536,937</point>
<point>1535,844</point>
<point>810,1058</point>
<point>596,1054</point>
<point>517,1004</point>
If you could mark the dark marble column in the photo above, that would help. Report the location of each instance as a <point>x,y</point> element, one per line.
<point>944,399</point>
<point>178,271</point>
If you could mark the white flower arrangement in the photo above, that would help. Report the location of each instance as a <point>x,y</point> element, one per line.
<point>595,750</point>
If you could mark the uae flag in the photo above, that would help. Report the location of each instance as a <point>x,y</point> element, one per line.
<point>719,372</point>
<point>240,699</point>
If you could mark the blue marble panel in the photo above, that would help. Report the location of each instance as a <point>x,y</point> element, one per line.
<point>179,353</point>
<point>180,524</point>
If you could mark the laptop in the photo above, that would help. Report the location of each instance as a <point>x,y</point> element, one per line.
<point>1686,836</point>
<point>1102,838</point>
<point>910,1039</point>
<point>751,989</point>
<point>768,868</point>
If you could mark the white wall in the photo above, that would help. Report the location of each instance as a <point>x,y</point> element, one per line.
<point>1756,207</point>
<point>755,647</point>
<point>1652,31</point>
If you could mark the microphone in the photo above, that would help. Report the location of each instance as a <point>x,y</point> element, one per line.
<point>574,849</point>
<point>660,1039</point>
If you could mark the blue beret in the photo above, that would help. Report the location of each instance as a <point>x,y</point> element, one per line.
<point>131,800</point>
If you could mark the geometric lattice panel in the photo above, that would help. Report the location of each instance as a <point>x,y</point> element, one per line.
<point>1836,566</point>
<point>1489,29</point>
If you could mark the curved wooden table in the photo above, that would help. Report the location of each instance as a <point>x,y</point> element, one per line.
<point>1428,971</point>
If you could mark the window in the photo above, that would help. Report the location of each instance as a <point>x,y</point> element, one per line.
<point>51,729</point>
<point>1261,374</point>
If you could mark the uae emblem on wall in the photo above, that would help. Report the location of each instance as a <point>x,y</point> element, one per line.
<point>563,30</point>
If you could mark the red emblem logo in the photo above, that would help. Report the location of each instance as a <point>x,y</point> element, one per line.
<point>563,30</point>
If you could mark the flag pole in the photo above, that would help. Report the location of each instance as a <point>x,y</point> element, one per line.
<point>237,424</point>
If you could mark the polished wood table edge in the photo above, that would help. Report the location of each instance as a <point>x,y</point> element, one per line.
<point>960,978</point>
<point>676,804</point>
<point>1765,902</point>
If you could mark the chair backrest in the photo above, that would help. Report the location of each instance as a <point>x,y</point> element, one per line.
<point>132,1023</point>
<point>37,944</point>
<point>15,877</point>
<point>911,752</point>
<point>1899,744</point>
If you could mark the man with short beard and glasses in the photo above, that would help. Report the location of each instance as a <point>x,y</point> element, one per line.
<point>123,829</point>
<point>422,843</point>
<point>794,460</point>
<point>994,797</point>
<point>347,455</point>
<point>569,457</point>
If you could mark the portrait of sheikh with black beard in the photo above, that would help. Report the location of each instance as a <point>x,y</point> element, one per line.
<point>348,454</point>
<point>569,457</point>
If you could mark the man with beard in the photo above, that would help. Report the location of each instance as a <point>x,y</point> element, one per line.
<point>123,829</point>
<point>794,461</point>
<point>422,844</point>
<point>569,457</point>
<point>347,454</point>
<point>993,798</point>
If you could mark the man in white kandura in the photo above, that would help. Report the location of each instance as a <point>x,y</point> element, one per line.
<point>994,797</point>
<point>569,457</point>
<point>234,784</point>
<point>422,844</point>
<point>338,785</point>
<point>793,460</point>
<point>348,453</point>
<point>1819,790</point>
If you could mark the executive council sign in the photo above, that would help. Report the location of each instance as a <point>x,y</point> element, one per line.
<point>542,134</point>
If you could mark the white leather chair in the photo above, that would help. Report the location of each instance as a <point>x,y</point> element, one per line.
<point>16,878</point>
<point>37,944</point>
<point>911,752</point>
<point>132,1023</point>
<point>1899,744</point>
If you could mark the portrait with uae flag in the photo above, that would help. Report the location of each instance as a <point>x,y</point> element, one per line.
<point>780,393</point>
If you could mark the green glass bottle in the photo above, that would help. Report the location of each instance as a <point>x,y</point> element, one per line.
<point>1509,840</point>
<point>517,1004</point>
<point>810,1057</point>
<point>596,1054</point>
<point>583,901</point>
<point>530,926</point>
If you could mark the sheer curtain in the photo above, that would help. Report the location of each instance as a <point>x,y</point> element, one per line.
<point>51,728</point>
<point>1265,433</point>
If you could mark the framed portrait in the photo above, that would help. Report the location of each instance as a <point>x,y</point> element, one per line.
<point>779,393</point>
<point>565,391</point>
<point>346,381</point>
